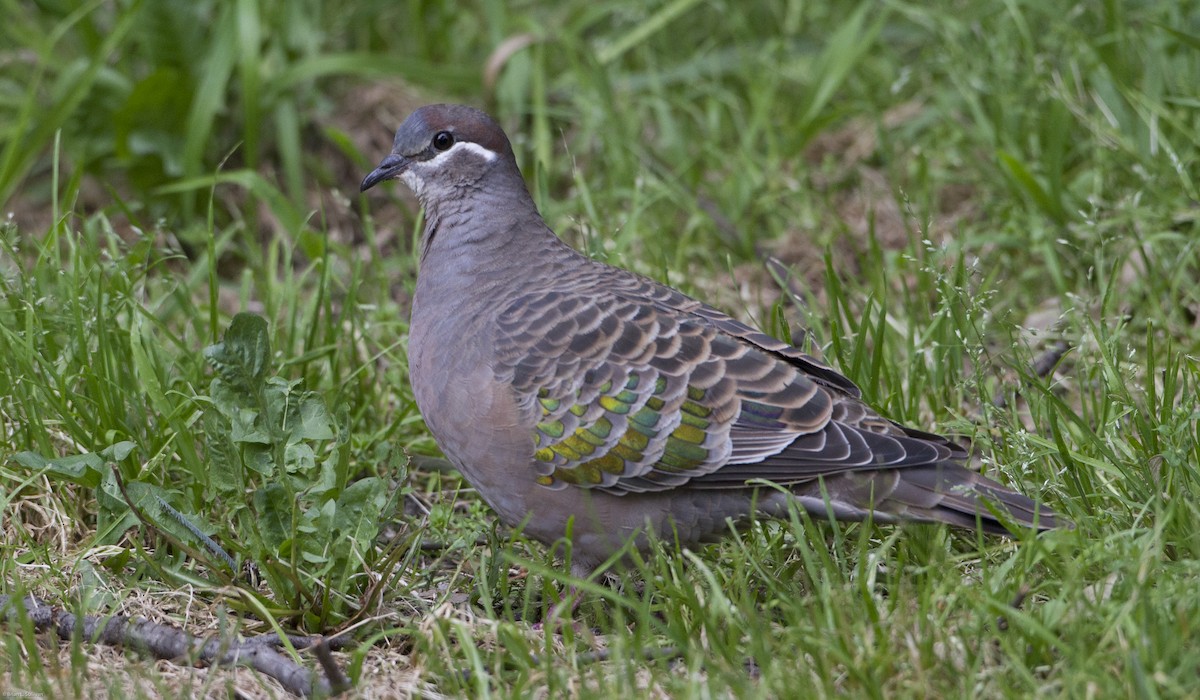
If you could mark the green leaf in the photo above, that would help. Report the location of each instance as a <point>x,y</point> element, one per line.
<point>314,421</point>
<point>84,469</point>
<point>845,48</point>
<point>117,451</point>
<point>273,504</point>
<point>279,403</point>
<point>358,510</point>
<point>259,458</point>
<point>1192,40</point>
<point>324,519</point>
<point>114,517</point>
<point>148,498</point>
<point>151,120</point>
<point>242,357</point>
<point>291,217</point>
<point>299,458</point>
<point>224,464</point>
<point>1027,184</point>
<point>327,478</point>
<point>247,428</point>
<point>654,24</point>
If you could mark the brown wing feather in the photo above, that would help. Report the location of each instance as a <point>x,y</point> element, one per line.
<point>635,387</point>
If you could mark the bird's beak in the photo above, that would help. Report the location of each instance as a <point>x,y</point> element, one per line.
<point>389,168</point>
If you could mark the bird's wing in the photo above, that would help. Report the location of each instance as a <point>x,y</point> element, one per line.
<point>634,387</point>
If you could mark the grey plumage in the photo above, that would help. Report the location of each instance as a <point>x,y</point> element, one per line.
<point>580,397</point>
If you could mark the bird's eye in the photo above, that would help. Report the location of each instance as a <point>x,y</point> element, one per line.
<point>443,140</point>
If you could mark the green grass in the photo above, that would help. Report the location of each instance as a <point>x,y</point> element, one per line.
<point>954,187</point>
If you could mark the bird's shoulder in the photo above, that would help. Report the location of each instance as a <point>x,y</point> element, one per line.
<point>594,310</point>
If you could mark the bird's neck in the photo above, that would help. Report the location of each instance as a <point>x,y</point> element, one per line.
<point>486,238</point>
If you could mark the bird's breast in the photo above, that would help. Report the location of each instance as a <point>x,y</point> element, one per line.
<point>473,418</point>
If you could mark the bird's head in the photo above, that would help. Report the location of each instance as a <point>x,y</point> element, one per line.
<point>444,148</point>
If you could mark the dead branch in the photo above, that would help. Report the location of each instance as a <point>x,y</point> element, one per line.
<point>1043,365</point>
<point>176,645</point>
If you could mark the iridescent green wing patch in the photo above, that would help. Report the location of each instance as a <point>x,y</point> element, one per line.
<point>639,442</point>
<point>603,432</point>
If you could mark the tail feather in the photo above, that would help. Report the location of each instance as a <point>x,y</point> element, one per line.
<point>945,492</point>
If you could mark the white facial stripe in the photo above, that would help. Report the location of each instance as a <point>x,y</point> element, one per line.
<point>414,175</point>
<point>475,148</point>
<point>414,182</point>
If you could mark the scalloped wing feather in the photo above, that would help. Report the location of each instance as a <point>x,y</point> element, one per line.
<point>633,387</point>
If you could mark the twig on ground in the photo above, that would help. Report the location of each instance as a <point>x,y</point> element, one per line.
<point>338,681</point>
<point>782,274</point>
<point>1018,601</point>
<point>426,463</point>
<point>1043,365</point>
<point>174,644</point>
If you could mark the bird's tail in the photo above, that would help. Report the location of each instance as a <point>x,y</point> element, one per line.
<point>946,492</point>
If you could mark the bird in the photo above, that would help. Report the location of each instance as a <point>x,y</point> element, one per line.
<point>593,406</point>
